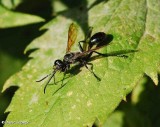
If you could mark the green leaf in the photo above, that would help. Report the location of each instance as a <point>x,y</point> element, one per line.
<point>11,19</point>
<point>5,62</point>
<point>10,4</point>
<point>83,100</point>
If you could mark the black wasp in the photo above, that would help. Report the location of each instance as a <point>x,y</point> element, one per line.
<point>90,45</point>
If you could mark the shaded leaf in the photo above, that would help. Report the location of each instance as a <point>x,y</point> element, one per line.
<point>12,19</point>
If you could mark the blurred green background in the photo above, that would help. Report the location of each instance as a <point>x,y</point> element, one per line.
<point>142,108</point>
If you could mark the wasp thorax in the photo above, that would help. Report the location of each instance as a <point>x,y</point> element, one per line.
<point>68,57</point>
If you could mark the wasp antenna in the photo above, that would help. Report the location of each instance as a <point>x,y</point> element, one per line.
<point>43,78</point>
<point>52,75</point>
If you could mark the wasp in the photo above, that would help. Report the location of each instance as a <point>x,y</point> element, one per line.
<point>90,45</point>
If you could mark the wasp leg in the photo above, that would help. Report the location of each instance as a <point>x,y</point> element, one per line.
<point>64,74</point>
<point>88,35</point>
<point>85,64</point>
<point>85,41</point>
<point>90,65</point>
<point>55,81</point>
<point>80,46</point>
<point>107,55</point>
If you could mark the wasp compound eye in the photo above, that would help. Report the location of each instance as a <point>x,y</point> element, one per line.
<point>58,63</point>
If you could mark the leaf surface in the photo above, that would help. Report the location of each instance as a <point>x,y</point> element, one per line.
<point>83,100</point>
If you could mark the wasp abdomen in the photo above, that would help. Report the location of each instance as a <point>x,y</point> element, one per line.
<point>97,38</point>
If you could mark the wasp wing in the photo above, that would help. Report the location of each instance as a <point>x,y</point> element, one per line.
<point>72,35</point>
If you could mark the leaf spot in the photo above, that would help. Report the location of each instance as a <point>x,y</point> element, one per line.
<point>89,103</point>
<point>73,107</point>
<point>78,118</point>
<point>34,99</point>
<point>78,100</point>
<point>30,110</point>
<point>69,93</point>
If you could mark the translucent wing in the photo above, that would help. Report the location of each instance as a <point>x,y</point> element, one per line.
<point>72,35</point>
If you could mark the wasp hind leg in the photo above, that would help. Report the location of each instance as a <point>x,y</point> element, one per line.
<point>107,55</point>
